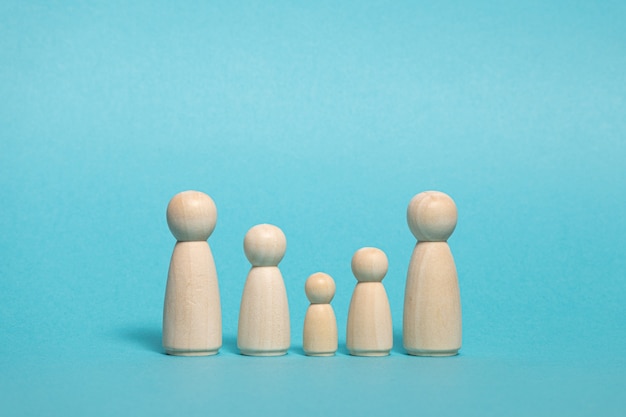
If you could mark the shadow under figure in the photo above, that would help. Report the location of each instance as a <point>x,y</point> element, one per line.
<point>148,338</point>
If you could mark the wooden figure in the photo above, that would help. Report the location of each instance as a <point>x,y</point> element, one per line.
<point>432,302</point>
<point>264,313</point>
<point>370,331</point>
<point>192,317</point>
<point>320,323</point>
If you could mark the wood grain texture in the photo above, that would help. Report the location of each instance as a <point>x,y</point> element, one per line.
<point>432,216</point>
<point>369,330</point>
<point>432,323</point>
<point>432,304</point>
<point>320,331</point>
<point>264,327</point>
<point>192,316</point>
<point>320,324</point>
<point>191,216</point>
<point>264,312</point>
<point>192,319</point>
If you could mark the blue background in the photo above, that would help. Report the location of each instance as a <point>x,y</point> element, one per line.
<point>325,120</point>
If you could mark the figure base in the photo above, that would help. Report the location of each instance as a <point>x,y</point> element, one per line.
<point>433,352</point>
<point>181,352</point>
<point>263,353</point>
<point>370,354</point>
<point>319,353</point>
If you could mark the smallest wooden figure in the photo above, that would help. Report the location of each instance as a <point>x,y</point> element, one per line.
<point>370,332</point>
<point>320,323</point>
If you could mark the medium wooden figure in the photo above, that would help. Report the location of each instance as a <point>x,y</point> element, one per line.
<point>192,316</point>
<point>432,301</point>
<point>264,312</point>
<point>370,331</point>
<point>320,323</point>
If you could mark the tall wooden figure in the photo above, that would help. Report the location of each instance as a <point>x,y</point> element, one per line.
<point>370,332</point>
<point>192,315</point>
<point>320,323</point>
<point>432,301</point>
<point>264,313</point>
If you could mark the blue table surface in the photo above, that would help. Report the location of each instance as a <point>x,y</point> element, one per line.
<point>324,119</point>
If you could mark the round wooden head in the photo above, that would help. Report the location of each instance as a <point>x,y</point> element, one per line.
<point>191,216</point>
<point>265,245</point>
<point>431,216</point>
<point>319,288</point>
<point>369,265</point>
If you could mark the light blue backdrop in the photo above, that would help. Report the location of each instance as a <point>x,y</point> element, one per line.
<point>325,120</point>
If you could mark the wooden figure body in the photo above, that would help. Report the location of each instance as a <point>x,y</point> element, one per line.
<point>192,317</point>
<point>432,302</point>
<point>264,313</point>
<point>320,323</point>
<point>370,331</point>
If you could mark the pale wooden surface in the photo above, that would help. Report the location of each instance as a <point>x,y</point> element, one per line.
<point>264,327</point>
<point>265,245</point>
<point>431,216</point>
<point>432,324</point>
<point>320,324</point>
<point>191,216</point>
<point>192,319</point>
<point>369,330</point>
<point>432,309</point>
